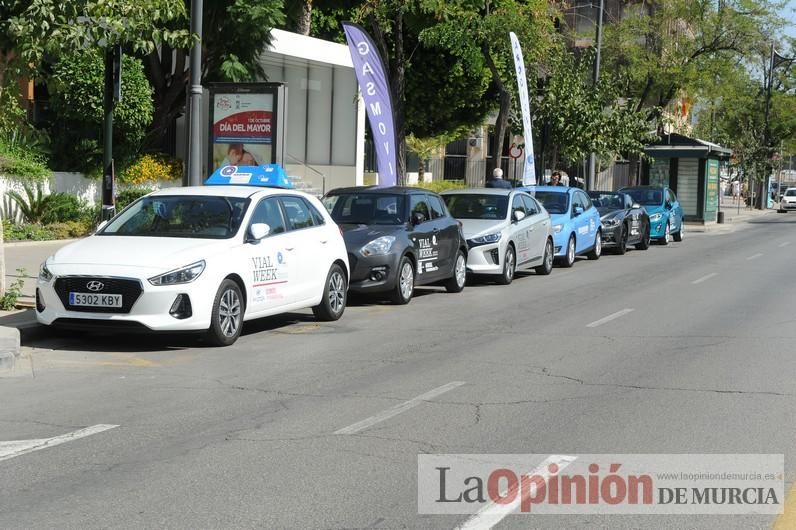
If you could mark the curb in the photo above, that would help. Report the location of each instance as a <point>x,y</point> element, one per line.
<point>10,347</point>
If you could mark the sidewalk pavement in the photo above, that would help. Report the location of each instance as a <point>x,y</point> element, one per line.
<point>28,255</point>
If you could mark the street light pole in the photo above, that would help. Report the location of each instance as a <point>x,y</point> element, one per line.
<point>194,173</point>
<point>592,177</point>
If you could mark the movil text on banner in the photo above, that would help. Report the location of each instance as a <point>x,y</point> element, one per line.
<point>372,79</point>
<point>529,169</point>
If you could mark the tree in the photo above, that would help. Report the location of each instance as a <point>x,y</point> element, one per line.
<point>666,47</point>
<point>583,119</point>
<point>424,148</point>
<point>478,34</point>
<point>76,99</point>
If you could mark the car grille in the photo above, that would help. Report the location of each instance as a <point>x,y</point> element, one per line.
<point>129,289</point>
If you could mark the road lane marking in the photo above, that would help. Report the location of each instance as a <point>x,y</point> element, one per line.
<point>705,278</point>
<point>753,256</point>
<point>398,409</point>
<point>16,448</point>
<point>784,244</point>
<point>491,514</point>
<point>610,318</point>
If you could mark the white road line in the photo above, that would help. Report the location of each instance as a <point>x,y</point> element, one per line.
<point>609,318</point>
<point>16,448</point>
<point>704,278</point>
<point>784,244</point>
<point>753,256</point>
<point>398,409</point>
<point>491,514</point>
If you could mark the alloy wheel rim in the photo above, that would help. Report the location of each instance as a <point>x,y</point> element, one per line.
<point>571,250</point>
<point>407,280</point>
<point>460,270</point>
<point>229,313</point>
<point>510,264</point>
<point>336,292</point>
<point>598,244</point>
<point>548,255</point>
<point>668,233</point>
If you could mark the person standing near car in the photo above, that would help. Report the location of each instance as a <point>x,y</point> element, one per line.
<point>497,180</point>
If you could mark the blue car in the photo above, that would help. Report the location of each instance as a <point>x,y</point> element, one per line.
<point>576,225</point>
<point>666,214</point>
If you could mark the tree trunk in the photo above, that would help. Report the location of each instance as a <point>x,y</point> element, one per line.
<point>501,125</point>
<point>421,170</point>
<point>399,87</point>
<point>305,18</point>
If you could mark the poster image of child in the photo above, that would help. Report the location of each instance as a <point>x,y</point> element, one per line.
<point>240,154</point>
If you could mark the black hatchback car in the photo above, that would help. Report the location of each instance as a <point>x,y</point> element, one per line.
<point>398,237</point>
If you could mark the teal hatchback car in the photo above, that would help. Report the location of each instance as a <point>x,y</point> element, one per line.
<point>665,211</point>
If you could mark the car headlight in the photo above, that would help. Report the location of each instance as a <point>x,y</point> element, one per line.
<point>185,274</point>
<point>557,228</point>
<point>485,240</point>
<point>378,247</point>
<point>613,221</point>
<point>44,273</point>
<point>656,217</point>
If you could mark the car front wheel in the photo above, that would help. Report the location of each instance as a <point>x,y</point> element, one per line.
<point>335,293</point>
<point>509,266</point>
<point>621,246</point>
<point>455,283</point>
<point>405,284</point>
<point>679,235</point>
<point>227,317</point>
<point>597,251</point>
<point>569,258</point>
<point>644,244</point>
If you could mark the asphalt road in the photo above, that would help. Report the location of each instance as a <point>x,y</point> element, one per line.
<point>266,434</point>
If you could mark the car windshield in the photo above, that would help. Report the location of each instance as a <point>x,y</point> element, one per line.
<point>366,208</point>
<point>553,202</point>
<point>472,206</point>
<point>646,196</point>
<point>790,192</point>
<point>203,217</point>
<point>608,201</point>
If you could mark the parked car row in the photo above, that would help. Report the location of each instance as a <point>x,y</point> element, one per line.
<point>207,258</point>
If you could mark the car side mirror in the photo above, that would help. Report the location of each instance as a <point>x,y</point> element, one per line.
<point>519,215</point>
<point>418,218</point>
<point>259,231</point>
<point>578,210</point>
<point>635,205</point>
<point>101,226</point>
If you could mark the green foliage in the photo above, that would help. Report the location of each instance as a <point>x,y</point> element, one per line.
<point>62,208</point>
<point>70,229</point>
<point>76,98</point>
<point>439,186</point>
<point>21,156</point>
<point>129,195</point>
<point>57,28</point>
<point>33,206</point>
<point>26,232</point>
<point>9,299</point>
<point>583,119</point>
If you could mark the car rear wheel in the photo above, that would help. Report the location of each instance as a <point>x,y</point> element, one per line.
<point>597,251</point>
<point>455,283</point>
<point>405,284</point>
<point>679,235</point>
<point>644,244</point>
<point>569,257</point>
<point>621,244</point>
<point>227,318</point>
<point>509,266</point>
<point>335,293</point>
<point>547,265</point>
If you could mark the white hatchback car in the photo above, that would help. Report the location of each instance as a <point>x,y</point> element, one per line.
<point>202,258</point>
<point>505,230</point>
<point>788,201</point>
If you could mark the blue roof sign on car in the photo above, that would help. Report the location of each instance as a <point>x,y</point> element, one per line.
<point>267,176</point>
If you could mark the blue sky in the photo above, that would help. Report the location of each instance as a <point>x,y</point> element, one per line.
<point>790,15</point>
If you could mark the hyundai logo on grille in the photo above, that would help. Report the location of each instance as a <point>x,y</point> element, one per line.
<point>95,286</point>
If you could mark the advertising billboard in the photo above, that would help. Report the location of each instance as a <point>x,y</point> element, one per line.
<point>246,125</point>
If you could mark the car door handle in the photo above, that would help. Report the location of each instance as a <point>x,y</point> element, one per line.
<point>289,249</point>
<point>324,241</point>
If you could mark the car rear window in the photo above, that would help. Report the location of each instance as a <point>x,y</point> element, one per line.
<point>366,208</point>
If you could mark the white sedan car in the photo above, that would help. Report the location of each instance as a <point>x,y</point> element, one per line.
<point>202,258</point>
<point>505,230</point>
<point>788,201</point>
